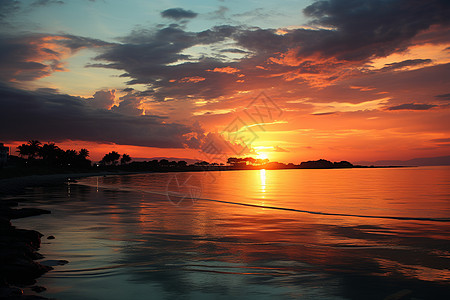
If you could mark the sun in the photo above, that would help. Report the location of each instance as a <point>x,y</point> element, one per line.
<point>262,155</point>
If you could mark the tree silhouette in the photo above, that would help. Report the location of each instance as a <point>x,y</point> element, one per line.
<point>111,158</point>
<point>83,154</point>
<point>24,149</point>
<point>51,153</point>
<point>125,159</point>
<point>69,157</point>
<point>31,149</point>
<point>164,163</point>
<point>34,146</point>
<point>182,163</point>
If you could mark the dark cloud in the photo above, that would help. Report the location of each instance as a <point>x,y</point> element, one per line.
<point>46,2</point>
<point>29,57</point>
<point>57,117</point>
<point>441,140</point>
<point>411,106</point>
<point>368,28</point>
<point>405,63</point>
<point>75,43</point>
<point>151,57</point>
<point>234,50</point>
<point>443,96</point>
<point>178,13</point>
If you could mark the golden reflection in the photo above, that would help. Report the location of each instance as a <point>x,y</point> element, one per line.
<point>262,175</point>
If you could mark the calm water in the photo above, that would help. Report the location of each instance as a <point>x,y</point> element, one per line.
<point>269,234</point>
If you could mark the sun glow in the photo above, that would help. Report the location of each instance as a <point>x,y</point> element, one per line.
<point>262,155</point>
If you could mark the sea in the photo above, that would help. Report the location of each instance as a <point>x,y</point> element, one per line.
<point>372,233</point>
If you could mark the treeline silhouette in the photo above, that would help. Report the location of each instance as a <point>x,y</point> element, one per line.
<point>37,154</point>
<point>37,158</point>
<point>51,155</point>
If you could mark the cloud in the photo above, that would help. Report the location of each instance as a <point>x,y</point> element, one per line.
<point>46,2</point>
<point>8,8</point>
<point>219,13</point>
<point>178,14</point>
<point>405,63</point>
<point>367,28</point>
<point>57,117</point>
<point>166,60</point>
<point>340,41</point>
<point>443,96</point>
<point>30,57</point>
<point>234,50</point>
<point>102,99</point>
<point>324,113</point>
<point>130,105</point>
<point>228,70</point>
<point>328,108</point>
<point>441,140</point>
<point>157,58</point>
<point>412,106</point>
<point>279,149</point>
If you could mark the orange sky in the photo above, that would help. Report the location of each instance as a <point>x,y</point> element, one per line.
<point>340,83</point>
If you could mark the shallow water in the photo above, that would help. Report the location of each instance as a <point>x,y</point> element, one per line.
<point>265,234</point>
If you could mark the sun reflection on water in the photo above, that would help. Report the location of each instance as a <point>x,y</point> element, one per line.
<point>262,175</point>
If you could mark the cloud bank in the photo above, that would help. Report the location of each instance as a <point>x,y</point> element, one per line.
<point>49,116</point>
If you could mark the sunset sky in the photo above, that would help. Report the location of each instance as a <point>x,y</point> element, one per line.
<point>357,80</point>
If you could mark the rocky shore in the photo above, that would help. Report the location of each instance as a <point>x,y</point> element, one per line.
<point>18,252</point>
<point>19,247</point>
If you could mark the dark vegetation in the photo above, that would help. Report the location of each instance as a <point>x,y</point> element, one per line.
<point>36,158</point>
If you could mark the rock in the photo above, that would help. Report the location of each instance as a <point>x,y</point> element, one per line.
<point>17,254</point>
<point>51,237</point>
<point>18,250</point>
<point>22,271</point>
<point>62,262</point>
<point>54,262</point>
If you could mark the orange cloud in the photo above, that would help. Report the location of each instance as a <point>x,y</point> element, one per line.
<point>193,79</point>
<point>228,70</point>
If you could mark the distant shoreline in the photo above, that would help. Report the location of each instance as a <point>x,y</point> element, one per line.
<point>16,184</point>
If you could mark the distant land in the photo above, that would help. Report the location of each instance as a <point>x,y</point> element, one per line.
<point>188,160</point>
<point>423,161</point>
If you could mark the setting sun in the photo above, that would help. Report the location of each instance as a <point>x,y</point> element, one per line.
<point>262,155</point>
